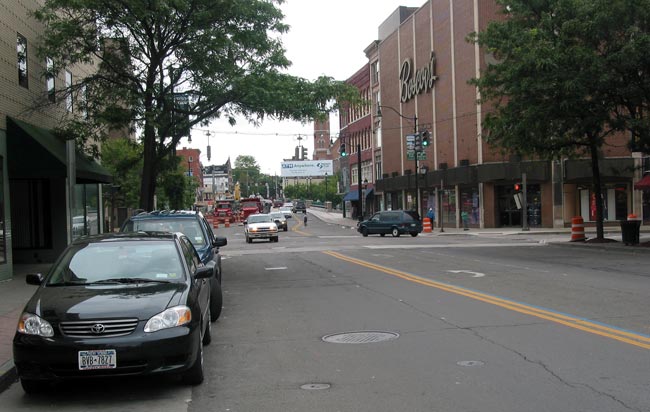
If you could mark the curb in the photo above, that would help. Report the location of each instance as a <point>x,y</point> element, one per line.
<point>8,375</point>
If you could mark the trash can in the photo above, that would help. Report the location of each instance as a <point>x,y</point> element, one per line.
<point>630,231</point>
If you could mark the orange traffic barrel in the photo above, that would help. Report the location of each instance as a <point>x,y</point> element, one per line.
<point>577,229</point>
<point>426,225</point>
<point>227,222</point>
<point>216,223</point>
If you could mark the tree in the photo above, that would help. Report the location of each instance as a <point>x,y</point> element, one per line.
<point>553,84</point>
<point>246,171</point>
<point>165,66</point>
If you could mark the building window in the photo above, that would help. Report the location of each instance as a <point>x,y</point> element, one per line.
<point>21,49</point>
<point>374,72</point>
<point>50,83</point>
<point>68,86</point>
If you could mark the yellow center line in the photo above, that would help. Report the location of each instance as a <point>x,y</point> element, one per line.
<point>567,320</point>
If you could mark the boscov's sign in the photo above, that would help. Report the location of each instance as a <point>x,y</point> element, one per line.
<point>412,84</point>
<point>307,168</point>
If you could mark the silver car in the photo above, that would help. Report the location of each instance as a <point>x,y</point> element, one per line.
<point>280,219</point>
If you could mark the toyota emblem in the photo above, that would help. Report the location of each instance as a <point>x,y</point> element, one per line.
<point>97,328</point>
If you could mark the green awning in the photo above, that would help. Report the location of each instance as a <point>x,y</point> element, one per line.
<point>35,152</point>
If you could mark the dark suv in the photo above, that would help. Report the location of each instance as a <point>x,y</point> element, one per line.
<point>299,206</point>
<point>198,230</point>
<point>395,222</point>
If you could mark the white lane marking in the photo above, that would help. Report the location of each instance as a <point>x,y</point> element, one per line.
<point>475,274</point>
<point>336,237</point>
<point>278,268</point>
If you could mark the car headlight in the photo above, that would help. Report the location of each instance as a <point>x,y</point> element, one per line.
<point>253,229</point>
<point>170,318</point>
<point>31,324</point>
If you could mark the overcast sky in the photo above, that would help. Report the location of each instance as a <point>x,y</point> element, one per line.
<point>326,37</point>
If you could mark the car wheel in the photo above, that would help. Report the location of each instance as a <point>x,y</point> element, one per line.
<point>248,240</point>
<point>216,300</point>
<point>395,232</point>
<point>364,231</point>
<point>414,234</point>
<point>194,375</point>
<point>33,386</point>
<point>286,228</point>
<point>207,336</point>
<point>382,234</point>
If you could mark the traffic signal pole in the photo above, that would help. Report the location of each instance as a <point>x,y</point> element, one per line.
<point>524,203</point>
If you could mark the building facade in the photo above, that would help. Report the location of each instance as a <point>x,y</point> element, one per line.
<point>49,192</point>
<point>419,70</point>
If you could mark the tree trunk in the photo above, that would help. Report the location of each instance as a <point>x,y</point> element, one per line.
<point>149,170</point>
<point>597,188</point>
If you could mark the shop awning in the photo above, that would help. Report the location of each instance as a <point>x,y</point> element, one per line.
<point>351,196</point>
<point>36,152</point>
<point>369,192</point>
<point>644,183</point>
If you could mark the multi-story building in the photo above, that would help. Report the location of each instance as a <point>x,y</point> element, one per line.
<point>217,182</point>
<point>191,163</point>
<point>49,193</point>
<point>418,71</point>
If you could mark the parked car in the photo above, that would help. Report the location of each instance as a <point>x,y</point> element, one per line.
<point>260,226</point>
<point>114,305</point>
<point>280,220</point>
<point>288,213</point>
<point>299,206</point>
<point>198,230</point>
<point>395,222</point>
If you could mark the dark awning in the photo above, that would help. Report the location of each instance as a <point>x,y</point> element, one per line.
<point>643,184</point>
<point>369,192</point>
<point>35,152</point>
<point>351,196</point>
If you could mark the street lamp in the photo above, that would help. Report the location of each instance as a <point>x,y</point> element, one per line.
<point>414,119</point>
<point>325,190</point>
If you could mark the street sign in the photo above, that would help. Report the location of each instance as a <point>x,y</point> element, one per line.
<point>410,155</point>
<point>410,141</point>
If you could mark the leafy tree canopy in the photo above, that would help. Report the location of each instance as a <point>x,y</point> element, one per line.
<point>560,85</point>
<point>164,66</point>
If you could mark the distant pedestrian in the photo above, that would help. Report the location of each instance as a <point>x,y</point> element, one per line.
<point>431,214</point>
<point>465,218</point>
<point>304,219</point>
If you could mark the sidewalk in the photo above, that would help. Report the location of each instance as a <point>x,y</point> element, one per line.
<point>14,293</point>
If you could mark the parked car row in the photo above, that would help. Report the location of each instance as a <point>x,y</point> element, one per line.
<point>138,302</point>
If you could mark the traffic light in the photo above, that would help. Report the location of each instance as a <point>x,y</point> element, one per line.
<point>342,150</point>
<point>426,136</point>
<point>304,153</point>
<point>418,141</point>
<point>517,187</point>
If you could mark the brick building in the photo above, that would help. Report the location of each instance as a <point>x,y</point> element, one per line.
<point>38,217</point>
<point>418,72</point>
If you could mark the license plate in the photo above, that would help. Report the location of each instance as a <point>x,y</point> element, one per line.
<point>97,359</point>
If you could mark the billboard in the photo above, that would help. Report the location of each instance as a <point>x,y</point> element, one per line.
<point>306,168</point>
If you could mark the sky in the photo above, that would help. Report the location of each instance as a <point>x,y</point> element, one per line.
<point>326,37</point>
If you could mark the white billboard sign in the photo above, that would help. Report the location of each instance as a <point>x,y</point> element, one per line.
<point>306,168</point>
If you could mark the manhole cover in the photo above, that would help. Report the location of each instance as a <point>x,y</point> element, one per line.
<point>361,337</point>
<point>315,386</point>
<point>470,363</point>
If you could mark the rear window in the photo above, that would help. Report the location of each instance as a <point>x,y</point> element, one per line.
<point>155,260</point>
<point>410,216</point>
<point>189,227</point>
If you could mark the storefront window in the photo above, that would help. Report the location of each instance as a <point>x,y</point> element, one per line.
<point>615,203</point>
<point>448,207</point>
<point>469,203</point>
<point>85,218</point>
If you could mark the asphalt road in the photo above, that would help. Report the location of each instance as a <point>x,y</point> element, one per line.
<point>445,323</point>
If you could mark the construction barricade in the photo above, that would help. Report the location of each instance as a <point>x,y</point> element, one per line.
<point>426,225</point>
<point>578,229</point>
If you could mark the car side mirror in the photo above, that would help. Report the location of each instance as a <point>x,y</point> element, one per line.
<point>34,279</point>
<point>220,241</point>
<point>204,272</point>
<point>246,221</point>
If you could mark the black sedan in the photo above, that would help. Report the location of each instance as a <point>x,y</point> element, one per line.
<point>116,305</point>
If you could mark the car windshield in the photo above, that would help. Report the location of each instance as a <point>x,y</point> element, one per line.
<point>259,219</point>
<point>118,262</point>
<point>249,204</point>
<point>188,227</point>
<point>277,215</point>
<point>223,206</point>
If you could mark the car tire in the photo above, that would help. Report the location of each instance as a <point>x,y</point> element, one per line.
<point>207,336</point>
<point>364,231</point>
<point>194,375</point>
<point>414,234</point>
<point>286,228</point>
<point>382,234</point>
<point>394,232</point>
<point>248,240</point>
<point>31,386</point>
<point>216,300</point>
